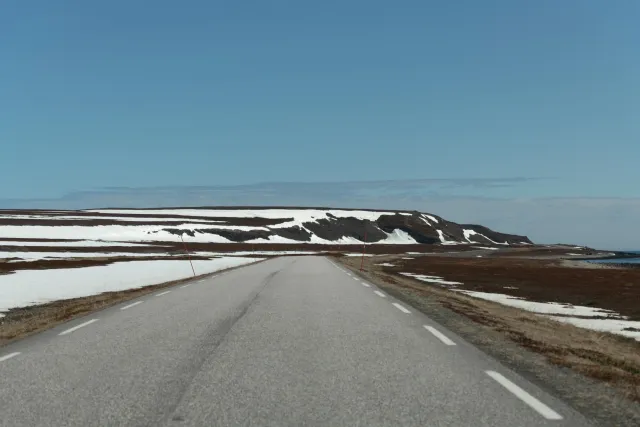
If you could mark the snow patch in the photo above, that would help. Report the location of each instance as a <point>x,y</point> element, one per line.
<point>432,218</point>
<point>541,307</point>
<point>615,326</point>
<point>300,215</point>
<point>432,279</point>
<point>58,255</point>
<point>468,233</point>
<point>273,239</point>
<point>113,218</point>
<point>135,233</point>
<point>30,287</point>
<point>444,240</point>
<point>399,237</point>
<point>76,243</point>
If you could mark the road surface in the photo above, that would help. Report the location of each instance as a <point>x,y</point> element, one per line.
<point>288,342</point>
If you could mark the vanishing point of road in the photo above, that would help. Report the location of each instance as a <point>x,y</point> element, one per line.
<point>295,341</point>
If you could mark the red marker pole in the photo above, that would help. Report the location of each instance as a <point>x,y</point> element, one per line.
<point>189,255</point>
<point>364,245</point>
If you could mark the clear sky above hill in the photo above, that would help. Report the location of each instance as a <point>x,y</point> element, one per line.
<point>220,93</point>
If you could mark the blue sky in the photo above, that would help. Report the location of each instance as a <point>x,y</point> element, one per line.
<point>211,93</point>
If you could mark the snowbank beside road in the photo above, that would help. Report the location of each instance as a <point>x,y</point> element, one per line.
<point>31,287</point>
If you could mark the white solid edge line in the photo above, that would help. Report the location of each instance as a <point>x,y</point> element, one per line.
<point>162,293</point>
<point>534,403</point>
<point>439,335</point>
<point>8,356</point>
<point>75,328</point>
<point>131,305</point>
<point>401,307</point>
<point>380,294</point>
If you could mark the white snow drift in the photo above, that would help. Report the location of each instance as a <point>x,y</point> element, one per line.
<point>30,287</point>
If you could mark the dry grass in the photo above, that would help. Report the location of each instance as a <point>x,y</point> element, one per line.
<point>601,356</point>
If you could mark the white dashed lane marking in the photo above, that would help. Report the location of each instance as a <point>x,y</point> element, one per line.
<point>162,293</point>
<point>380,294</point>
<point>75,328</point>
<point>439,335</point>
<point>401,307</point>
<point>534,403</point>
<point>131,305</point>
<point>8,356</point>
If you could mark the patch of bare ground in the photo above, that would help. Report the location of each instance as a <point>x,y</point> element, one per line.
<point>21,322</point>
<point>616,289</point>
<point>596,373</point>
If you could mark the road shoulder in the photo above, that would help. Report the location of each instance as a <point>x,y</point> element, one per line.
<point>596,400</point>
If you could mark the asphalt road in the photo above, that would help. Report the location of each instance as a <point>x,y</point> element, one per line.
<point>287,342</point>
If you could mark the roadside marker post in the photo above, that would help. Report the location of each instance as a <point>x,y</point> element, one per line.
<point>188,255</point>
<point>364,246</point>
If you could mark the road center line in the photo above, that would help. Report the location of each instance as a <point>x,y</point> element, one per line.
<point>534,403</point>
<point>380,294</point>
<point>75,328</point>
<point>131,305</point>
<point>439,335</point>
<point>401,308</point>
<point>162,293</point>
<point>9,356</point>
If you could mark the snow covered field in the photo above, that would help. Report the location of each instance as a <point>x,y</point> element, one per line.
<point>31,256</point>
<point>73,243</point>
<point>31,287</point>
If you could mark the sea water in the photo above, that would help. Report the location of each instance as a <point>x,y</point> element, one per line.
<point>621,260</point>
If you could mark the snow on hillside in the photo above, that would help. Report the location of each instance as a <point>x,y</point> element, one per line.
<point>469,233</point>
<point>300,215</point>
<point>400,237</point>
<point>255,226</point>
<point>135,232</point>
<point>444,240</point>
<point>128,233</point>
